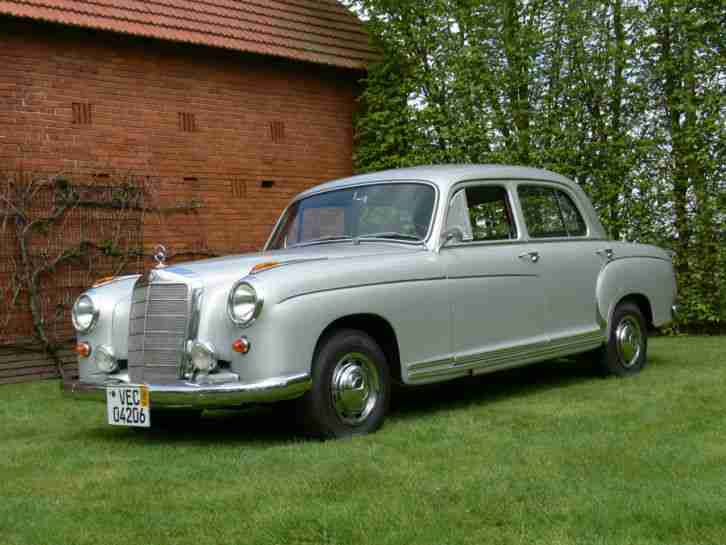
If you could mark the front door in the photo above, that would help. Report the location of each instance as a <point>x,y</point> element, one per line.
<point>496,293</point>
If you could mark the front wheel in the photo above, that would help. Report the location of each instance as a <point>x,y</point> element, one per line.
<point>350,387</point>
<point>626,350</point>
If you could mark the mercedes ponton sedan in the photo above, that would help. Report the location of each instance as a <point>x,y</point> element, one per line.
<point>409,276</point>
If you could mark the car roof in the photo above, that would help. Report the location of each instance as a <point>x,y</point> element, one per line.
<point>445,176</point>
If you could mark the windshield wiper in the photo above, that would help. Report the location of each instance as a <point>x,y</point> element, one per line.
<point>322,239</point>
<point>392,235</point>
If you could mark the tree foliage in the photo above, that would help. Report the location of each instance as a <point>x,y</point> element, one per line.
<point>626,97</point>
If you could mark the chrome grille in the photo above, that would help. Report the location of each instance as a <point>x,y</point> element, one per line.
<point>157,331</point>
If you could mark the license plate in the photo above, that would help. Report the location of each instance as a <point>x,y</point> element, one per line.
<point>128,406</point>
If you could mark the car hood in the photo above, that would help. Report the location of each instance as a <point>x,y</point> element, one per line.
<point>234,267</point>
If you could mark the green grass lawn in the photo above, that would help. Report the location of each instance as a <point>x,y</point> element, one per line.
<point>547,454</point>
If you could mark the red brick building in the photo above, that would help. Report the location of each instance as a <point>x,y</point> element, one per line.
<point>238,105</point>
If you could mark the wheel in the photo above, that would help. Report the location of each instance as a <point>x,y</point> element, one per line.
<point>350,387</point>
<point>626,350</point>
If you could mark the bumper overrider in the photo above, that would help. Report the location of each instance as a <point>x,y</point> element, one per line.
<point>188,394</point>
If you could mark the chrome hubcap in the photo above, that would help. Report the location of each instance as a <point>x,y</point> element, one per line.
<point>355,388</point>
<point>629,340</point>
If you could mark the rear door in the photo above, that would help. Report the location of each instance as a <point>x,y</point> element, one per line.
<point>569,263</point>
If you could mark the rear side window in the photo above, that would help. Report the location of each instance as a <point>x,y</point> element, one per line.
<point>550,213</point>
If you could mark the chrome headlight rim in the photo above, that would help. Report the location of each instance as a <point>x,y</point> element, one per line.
<point>94,315</point>
<point>258,304</point>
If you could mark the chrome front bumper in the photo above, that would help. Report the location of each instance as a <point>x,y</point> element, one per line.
<point>187,394</point>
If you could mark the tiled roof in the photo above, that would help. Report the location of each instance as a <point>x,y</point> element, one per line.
<point>319,31</point>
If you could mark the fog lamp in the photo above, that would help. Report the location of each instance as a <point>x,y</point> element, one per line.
<point>105,359</point>
<point>203,357</point>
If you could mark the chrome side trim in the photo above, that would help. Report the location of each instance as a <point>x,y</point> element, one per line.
<point>505,357</point>
<point>187,394</point>
<point>354,286</point>
<point>429,364</point>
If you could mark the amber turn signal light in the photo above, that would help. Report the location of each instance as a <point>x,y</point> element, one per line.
<point>264,266</point>
<point>83,349</point>
<point>103,281</point>
<point>241,345</point>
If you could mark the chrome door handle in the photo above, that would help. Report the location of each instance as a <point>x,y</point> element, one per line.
<point>606,253</point>
<point>532,256</point>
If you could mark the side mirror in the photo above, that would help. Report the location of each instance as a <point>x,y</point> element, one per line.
<point>452,234</point>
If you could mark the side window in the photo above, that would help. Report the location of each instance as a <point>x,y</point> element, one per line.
<point>483,213</point>
<point>550,213</point>
<point>574,223</point>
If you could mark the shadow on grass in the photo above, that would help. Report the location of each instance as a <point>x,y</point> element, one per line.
<point>490,388</point>
<point>276,424</point>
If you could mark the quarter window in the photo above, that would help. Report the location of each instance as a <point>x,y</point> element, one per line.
<point>482,213</point>
<point>550,213</point>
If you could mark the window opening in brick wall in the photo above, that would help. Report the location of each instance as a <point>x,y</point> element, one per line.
<point>266,184</point>
<point>187,122</point>
<point>277,131</point>
<point>82,113</point>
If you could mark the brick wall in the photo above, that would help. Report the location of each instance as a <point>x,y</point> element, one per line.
<point>20,366</point>
<point>212,125</point>
<point>240,134</point>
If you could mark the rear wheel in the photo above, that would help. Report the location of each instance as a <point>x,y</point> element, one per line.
<point>350,387</point>
<point>626,350</point>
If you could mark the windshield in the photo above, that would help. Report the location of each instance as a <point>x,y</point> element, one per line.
<point>393,211</point>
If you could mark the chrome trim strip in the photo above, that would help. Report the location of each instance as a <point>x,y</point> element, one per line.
<point>353,286</point>
<point>620,258</point>
<point>506,357</point>
<point>429,363</point>
<point>187,394</point>
<point>530,242</point>
<point>470,276</point>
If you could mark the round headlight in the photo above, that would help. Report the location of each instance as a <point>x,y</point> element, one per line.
<point>105,359</point>
<point>244,304</point>
<point>84,314</point>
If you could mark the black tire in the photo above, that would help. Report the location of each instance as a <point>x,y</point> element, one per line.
<point>358,405</point>
<point>626,351</point>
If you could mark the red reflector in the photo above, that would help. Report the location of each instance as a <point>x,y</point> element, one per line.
<point>83,349</point>
<point>241,345</point>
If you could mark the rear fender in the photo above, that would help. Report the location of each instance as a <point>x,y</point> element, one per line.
<point>651,277</point>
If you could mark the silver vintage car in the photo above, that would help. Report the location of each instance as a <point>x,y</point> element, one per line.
<point>408,276</point>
